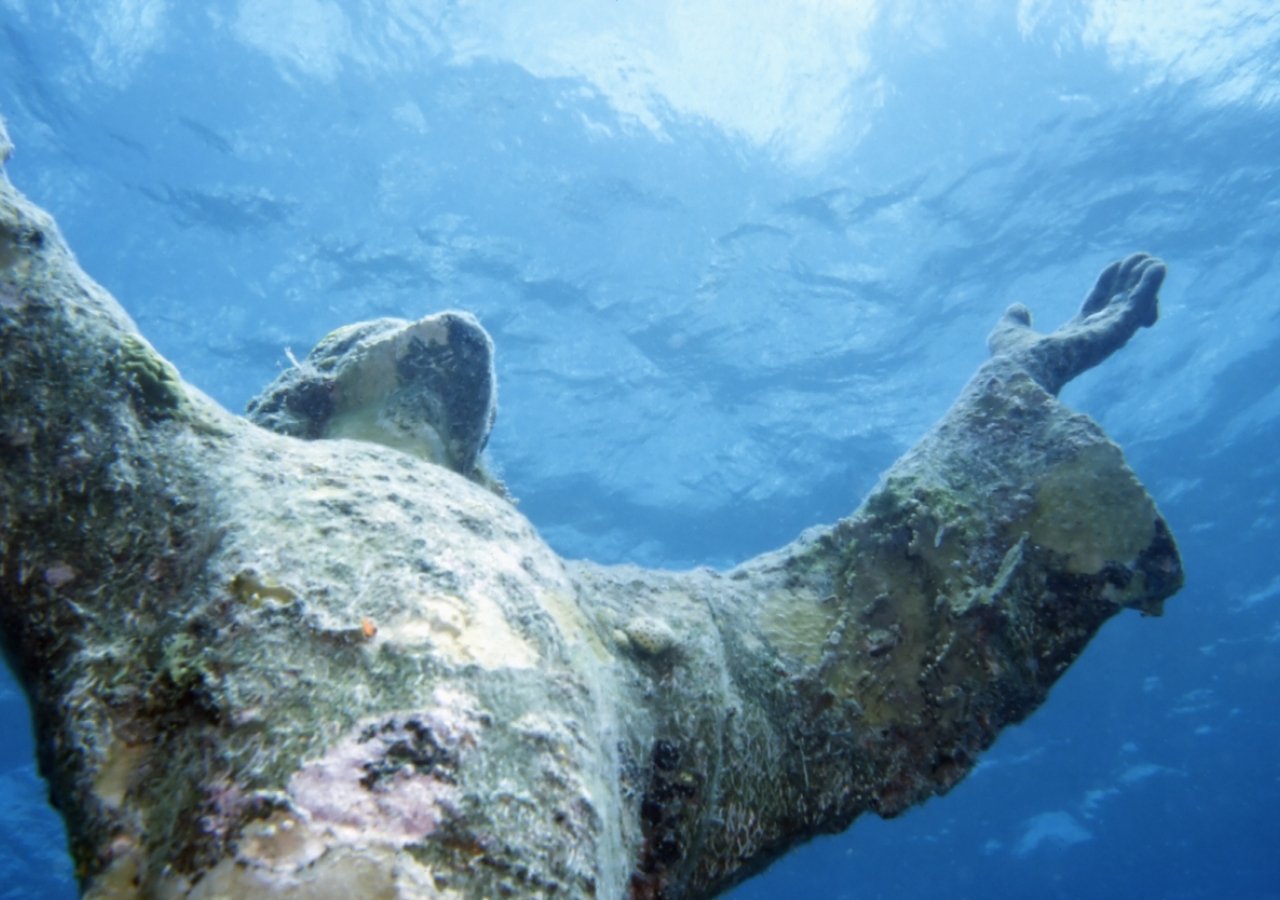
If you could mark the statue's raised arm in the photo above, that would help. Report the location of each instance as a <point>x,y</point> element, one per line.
<point>264,665</point>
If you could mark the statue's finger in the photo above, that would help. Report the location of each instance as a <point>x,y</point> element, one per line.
<point>1145,297</point>
<point>1131,269</point>
<point>1100,294</point>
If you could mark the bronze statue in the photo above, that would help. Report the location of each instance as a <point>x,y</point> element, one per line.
<point>262,665</point>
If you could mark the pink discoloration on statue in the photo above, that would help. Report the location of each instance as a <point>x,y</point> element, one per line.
<point>392,779</point>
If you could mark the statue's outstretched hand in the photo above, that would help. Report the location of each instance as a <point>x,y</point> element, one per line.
<point>1124,299</point>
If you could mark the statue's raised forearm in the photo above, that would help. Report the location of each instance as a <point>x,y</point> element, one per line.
<point>262,665</point>
<point>864,667</point>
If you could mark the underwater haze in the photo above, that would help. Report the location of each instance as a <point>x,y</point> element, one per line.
<point>736,256</point>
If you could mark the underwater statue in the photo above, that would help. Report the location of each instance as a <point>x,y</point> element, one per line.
<point>305,665</point>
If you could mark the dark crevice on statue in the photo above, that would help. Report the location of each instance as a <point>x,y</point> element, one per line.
<point>265,666</point>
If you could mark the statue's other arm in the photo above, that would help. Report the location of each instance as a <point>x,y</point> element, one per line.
<point>867,665</point>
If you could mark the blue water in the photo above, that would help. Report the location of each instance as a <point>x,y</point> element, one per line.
<point>736,257</point>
